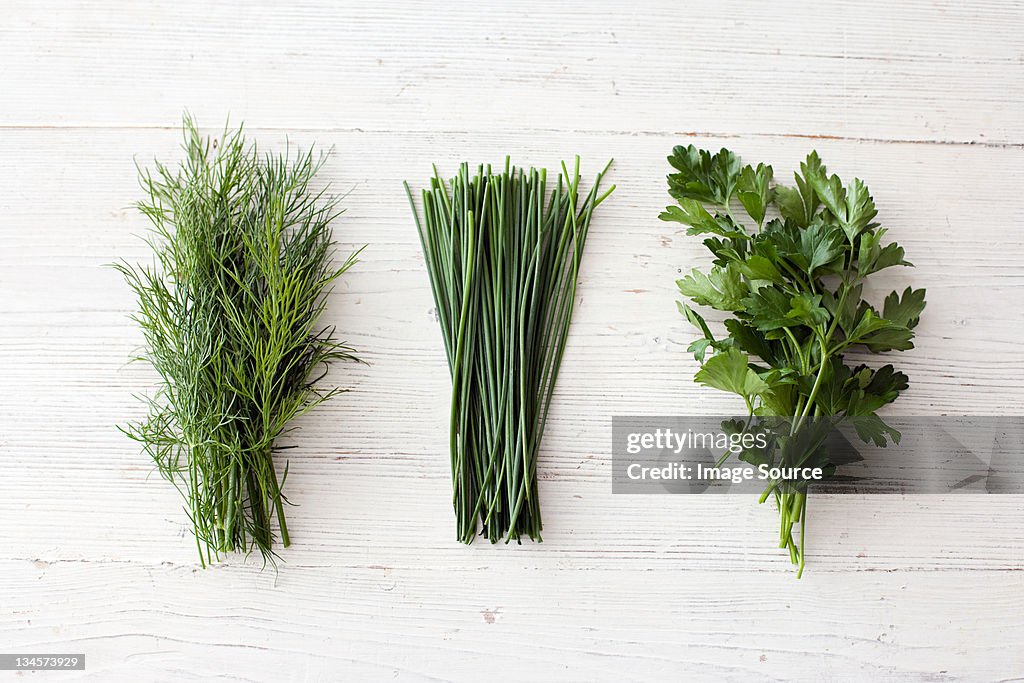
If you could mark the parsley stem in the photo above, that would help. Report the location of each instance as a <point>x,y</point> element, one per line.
<point>814,390</point>
<point>797,348</point>
<point>839,310</point>
<point>803,532</point>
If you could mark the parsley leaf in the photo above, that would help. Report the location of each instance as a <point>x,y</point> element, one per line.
<point>872,257</point>
<point>703,176</point>
<point>807,309</point>
<point>905,309</point>
<point>721,288</point>
<point>768,309</point>
<point>730,371</point>
<point>755,191</point>
<point>691,212</point>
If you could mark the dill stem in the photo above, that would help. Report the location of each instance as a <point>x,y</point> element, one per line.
<point>231,494</point>
<point>278,497</point>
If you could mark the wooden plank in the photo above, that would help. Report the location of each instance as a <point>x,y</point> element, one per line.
<point>919,70</point>
<point>405,624</point>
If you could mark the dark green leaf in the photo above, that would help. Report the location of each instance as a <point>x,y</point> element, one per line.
<point>799,204</point>
<point>699,348</point>
<point>880,334</point>
<point>807,309</point>
<point>890,255</point>
<point>779,400</point>
<point>820,246</point>
<point>729,371</point>
<point>852,206</point>
<point>726,250</point>
<point>905,310</point>
<point>882,386</point>
<point>754,190</point>
<point>769,309</point>
<point>871,429</point>
<point>791,204</point>
<point>868,323</point>
<point>692,213</point>
<point>860,209</point>
<point>853,308</point>
<point>750,340</point>
<point>894,337</point>
<point>831,193</point>
<point>695,319</point>
<point>757,267</point>
<point>702,176</point>
<point>833,396</point>
<point>872,257</point>
<point>722,288</point>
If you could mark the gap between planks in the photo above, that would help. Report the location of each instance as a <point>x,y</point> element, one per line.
<point>540,130</point>
<point>254,565</point>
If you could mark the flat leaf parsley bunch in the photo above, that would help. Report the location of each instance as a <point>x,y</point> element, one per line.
<point>791,274</point>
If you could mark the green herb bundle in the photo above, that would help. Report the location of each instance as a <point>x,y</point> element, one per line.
<point>503,253</point>
<point>230,311</point>
<point>790,273</point>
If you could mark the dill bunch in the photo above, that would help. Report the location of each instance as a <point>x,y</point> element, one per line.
<point>503,252</point>
<point>230,311</point>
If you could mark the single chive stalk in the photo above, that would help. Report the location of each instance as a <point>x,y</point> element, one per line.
<point>230,310</point>
<point>503,254</point>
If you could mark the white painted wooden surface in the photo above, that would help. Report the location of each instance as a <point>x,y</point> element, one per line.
<point>922,99</point>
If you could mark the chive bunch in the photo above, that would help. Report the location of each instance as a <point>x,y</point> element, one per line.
<point>229,309</point>
<point>503,256</point>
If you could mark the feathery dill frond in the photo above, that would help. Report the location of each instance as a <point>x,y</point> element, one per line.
<point>230,309</point>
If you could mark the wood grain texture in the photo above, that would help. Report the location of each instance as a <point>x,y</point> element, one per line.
<point>312,623</point>
<point>916,70</point>
<point>921,99</point>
